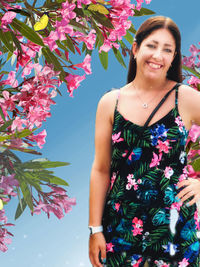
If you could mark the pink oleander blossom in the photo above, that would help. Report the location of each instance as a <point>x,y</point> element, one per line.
<point>8,184</point>
<point>73,82</point>
<point>89,40</point>
<point>11,80</point>
<point>194,132</point>
<point>39,138</point>
<point>51,40</point>
<point>67,11</point>
<point>7,18</point>
<point>86,65</point>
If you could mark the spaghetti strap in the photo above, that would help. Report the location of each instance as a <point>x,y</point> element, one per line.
<point>117,100</point>
<point>161,102</point>
<point>176,95</point>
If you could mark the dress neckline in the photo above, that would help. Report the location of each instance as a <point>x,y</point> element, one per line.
<point>153,124</point>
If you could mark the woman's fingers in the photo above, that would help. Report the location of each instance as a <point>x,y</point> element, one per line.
<point>103,254</point>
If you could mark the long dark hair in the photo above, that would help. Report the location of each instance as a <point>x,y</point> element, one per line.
<point>154,23</point>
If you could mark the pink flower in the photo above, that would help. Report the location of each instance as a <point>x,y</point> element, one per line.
<point>194,132</point>
<point>7,18</point>
<point>155,160</point>
<point>67,11</point>
<point>11,79</point>
<point>89,40</point>
<point>163,146</point>
<point>197,220</point>
<point>112,180</point>
<point>117,206</point>
<point>137,226</point>
<point>137,231</point>
<point>107,45</point>
<point>137,221</point>
<point>109,247</point>
<point>86,65</point>
<point>8,184</point>
<point>116,138</point>
<point>85,2</point>
<point>168,172</point>
<point>176,205</point>
<point>17,124</point>
<point>193,81</point>
<point>39,138</point>
<point>73,82</point>
<point>183,263</point>
<point>194,50</point>
<point>51,40</point>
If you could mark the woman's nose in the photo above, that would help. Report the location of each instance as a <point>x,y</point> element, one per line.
<point>157,54</point>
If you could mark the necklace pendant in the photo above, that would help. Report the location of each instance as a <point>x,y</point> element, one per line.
<point>145,105</point>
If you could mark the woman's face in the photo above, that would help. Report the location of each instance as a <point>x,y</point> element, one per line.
<point>155,54</point>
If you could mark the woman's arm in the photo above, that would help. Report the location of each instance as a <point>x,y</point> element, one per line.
<point>100,180</point>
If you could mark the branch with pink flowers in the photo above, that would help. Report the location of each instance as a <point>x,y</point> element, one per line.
<point>191,67</point>
<point>38,43</point>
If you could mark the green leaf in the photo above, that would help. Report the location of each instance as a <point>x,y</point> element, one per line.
<point>78,26</point>
<point>23,133</point>
<point>2,115</point>
<point>34,164</point>
<point>143,11</point>
<point>20,209</point>
<point>68,42</point>
<point>6,38</point>
<point>191,70</point>
<point>56,180</point>
<point>26,193</point>
<point>129,37</point>
<point>119,57</point>
<point>104,59</point>
<point>98,31</point>
<point>27,32</point>
<point>52,59</point>
<point>25,150</point>
<point>22,12</point>
<point>196,165</point>
<point>16,42</point>
<point>6,125</point>
<point>132,29</point>
<point>102,19</point>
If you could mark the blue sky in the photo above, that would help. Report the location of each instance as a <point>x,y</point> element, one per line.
<point>42,242</point>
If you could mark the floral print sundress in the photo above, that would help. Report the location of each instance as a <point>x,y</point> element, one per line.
<point>143,221</point>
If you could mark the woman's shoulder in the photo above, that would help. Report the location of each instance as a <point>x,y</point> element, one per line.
<point>109,98</point>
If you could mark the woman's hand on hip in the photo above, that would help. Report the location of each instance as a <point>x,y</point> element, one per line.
<point>97,246</point>
<point>191,189</point>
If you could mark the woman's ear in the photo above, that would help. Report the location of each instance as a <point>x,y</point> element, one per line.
<point>134,48</point>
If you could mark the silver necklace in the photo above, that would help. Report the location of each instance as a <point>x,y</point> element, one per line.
<point>145,105</point>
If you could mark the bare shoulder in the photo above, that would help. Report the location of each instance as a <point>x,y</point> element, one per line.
<point>107,103</point>
<point>188,94</point>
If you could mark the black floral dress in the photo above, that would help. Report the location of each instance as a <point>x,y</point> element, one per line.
<point>143,221</point>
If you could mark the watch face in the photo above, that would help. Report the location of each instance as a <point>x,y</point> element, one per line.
<point>90,228</point>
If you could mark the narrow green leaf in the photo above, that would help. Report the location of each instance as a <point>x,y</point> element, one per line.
<point>104,59</point>
<point>53,164</point>
<point>6,125</point>
<point>196,165</point>
<point>16,42</point>
<point>78,26</point>
<point>6,38</point>
<point>129,37</point>
<point>2,115</point>
<point>43,164</point>
<point>191,70</point>
<point>143,11</point>
<point>102,19</point>
<point>98,31</point>
<point>132,29</point>
<point>20,209</point>
<point>22,12</point>
<point>119,57</point>
<point>58,181</point>
<point>52,59</point>
<point>25,150</point>
<point>26,31</point>
<point>26,193</point>
<point>23,133</point>
<point>68,42</point>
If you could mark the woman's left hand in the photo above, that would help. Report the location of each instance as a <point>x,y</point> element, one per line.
<point>191,189</point>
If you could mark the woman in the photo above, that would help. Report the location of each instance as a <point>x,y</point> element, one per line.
<point>140,190</point>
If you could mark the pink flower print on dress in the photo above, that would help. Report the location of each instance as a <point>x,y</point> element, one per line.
<point>137,226</point>
<point>155,160</point>
<point>112,180</point>
<point>182,177</point>
<point>161,263</point>
<point>176,205</point>
<point>168,172</point>
<point>180,123</point>
<point>137,264</point>
<point>117,206</point>
<point>109,247</point>
<point>183,263</point>
<point>116,138</point>
<point>131,182</point>
<point>163,146</point>
<point>197,220</point>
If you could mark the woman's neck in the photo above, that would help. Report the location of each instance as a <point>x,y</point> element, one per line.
<point>150,84</point>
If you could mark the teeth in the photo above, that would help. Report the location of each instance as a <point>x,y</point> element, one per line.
<point>155,66</point>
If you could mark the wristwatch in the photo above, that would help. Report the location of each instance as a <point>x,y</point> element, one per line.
<point>95,229</point>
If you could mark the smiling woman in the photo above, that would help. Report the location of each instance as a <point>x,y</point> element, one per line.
<point>136,217</point>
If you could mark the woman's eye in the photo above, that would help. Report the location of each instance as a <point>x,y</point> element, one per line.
<point>151,46</point>
<point>168,50</point>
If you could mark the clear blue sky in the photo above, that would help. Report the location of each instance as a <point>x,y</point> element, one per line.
<point>42,242</point>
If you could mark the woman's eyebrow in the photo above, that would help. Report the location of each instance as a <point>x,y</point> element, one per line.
<point>166,44</point>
